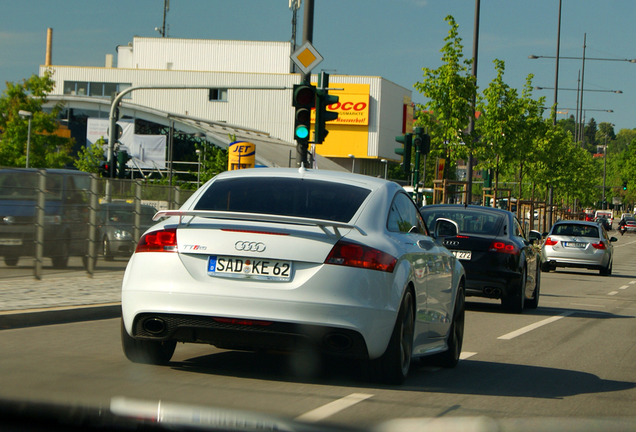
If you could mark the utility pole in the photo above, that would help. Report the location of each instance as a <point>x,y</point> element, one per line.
<point>471,124</point>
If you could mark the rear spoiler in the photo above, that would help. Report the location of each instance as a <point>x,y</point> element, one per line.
<point>257,217</point>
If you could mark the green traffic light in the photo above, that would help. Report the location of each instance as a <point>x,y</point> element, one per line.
<point>302,132</point>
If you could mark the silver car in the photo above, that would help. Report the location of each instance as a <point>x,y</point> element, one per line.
<point>578,244</point>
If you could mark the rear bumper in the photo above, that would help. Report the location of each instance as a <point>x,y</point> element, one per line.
<point>249,335</point>
<point>334,311</point>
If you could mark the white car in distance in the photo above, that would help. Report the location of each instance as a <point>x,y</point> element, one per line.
<point>293,259</point>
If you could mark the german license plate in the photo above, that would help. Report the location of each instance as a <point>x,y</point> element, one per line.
<point>574,244</point>
<point>11,242</point>
<point>249,268</point>
<point>462,255</point>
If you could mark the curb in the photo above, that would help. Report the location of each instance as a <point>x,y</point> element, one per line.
<point>42,317</point>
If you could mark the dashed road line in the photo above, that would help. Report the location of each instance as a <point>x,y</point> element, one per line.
<point>332,408</point>
<point>464,355</point>
<point>534,326</point>
<point>632,282</point>
<point>624,287</point>
<point>612,293</point>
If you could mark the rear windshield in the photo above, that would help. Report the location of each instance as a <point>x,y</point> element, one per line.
<point>469,221</point>
<point>576,230</point>
<point>284,197</point>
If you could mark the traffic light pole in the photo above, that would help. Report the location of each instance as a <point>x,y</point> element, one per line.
<point>302,148</point>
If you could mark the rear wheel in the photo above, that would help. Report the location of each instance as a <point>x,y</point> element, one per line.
<point>11,261</point>
<point>606,271</point>
<point>533,303</point>
<point>60,261</point>
<point>393,366</point>
<point>106,250</point>
<point>450,357</point>
<point>545,267</point>
<point>514,302</point>
<point>146,352</point>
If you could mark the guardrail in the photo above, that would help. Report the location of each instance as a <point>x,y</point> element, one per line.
<point>49,217</point>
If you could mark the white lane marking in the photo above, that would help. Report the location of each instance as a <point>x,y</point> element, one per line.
<point>624,287</point>
<point>612,293</point>
<point>583,304</point>
<point>332,408</point>
<point>632,282</point>
<point>464,355</point>
<point>534,326</point>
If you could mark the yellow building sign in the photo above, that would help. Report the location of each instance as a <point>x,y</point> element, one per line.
<point>241,155</point>
<point>349,134</point>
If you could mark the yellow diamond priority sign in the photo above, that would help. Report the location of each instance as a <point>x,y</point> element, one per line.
<point>306,57</point>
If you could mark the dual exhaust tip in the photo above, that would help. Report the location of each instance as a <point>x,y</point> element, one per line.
<point>496,292</point>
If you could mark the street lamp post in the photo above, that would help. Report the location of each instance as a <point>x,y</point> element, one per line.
<point>27,115</point>
<point>386,167</point>
<point>604,204</point>
<point>198,152</point>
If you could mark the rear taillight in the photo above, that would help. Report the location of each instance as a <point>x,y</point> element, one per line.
<point>158,241</point>
<point>356,255</point>
<point>599,245</point>
<point>550,241</point>
<point>503,247</point>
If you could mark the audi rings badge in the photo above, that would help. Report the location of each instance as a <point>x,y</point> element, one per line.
<point>248,246</point>
<point>450,243</point>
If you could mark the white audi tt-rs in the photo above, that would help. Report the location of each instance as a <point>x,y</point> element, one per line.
<point>295,259</point>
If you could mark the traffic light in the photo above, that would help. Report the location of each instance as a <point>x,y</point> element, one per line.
<point>304,100</point>
<point>323,100</point>
<point>405,151</point>
<point>624,185</point>
<point>104,169</point>
<point>122,158</point>
<point>421,141</point>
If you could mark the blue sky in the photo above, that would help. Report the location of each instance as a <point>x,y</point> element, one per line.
<point>394,39</point>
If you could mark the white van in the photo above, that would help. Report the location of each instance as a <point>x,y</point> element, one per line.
<point>607,214</point>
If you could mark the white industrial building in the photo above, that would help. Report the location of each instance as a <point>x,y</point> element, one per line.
<point>264,115</point>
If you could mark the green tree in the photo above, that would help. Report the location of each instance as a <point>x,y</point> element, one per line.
<point>591,129</point>
<point>89,157</point>
<point>450,90</point>
<point>46,149</point>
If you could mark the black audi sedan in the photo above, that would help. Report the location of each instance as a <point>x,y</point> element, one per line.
<point>501,262</point>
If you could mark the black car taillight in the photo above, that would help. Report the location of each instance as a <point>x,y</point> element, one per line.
<point>503,247</point>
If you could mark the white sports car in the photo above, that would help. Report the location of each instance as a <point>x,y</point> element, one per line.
<point>293,259</point>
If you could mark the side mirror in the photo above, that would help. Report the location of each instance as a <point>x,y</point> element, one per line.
<point>445,228</point>
<point>534,237</point>
<point>613,239</point>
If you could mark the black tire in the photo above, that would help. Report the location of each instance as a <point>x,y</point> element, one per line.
<point>60,261</point>
<point>545,267</point>
<point>106,250</point>
<point>514,302</point>
<point>533,303</point>
<point>393,366</point>
<point>606,271</point>
<point>146,352</point>
<point>450,357</point>
<point>11,261</point>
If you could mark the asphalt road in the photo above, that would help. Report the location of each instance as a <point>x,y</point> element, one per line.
<point>574,357</point>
